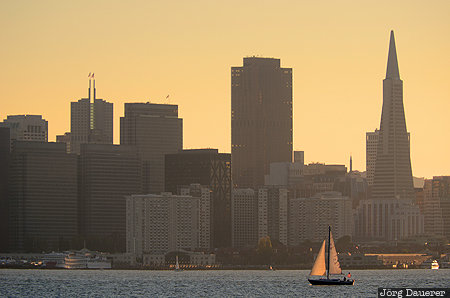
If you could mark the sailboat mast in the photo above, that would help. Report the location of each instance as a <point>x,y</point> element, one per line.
<point>328,259</point>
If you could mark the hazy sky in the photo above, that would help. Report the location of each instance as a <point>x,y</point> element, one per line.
<point>144,50</point>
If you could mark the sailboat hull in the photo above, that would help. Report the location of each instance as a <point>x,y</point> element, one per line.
<point>331,282</point>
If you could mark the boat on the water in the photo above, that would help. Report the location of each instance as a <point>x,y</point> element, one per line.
<point>434,265</point>
<point>85,259</point>
<point>324,266</point>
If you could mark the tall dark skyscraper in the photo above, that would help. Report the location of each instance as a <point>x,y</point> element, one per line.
<point>261,119</point>
<point>43,197</point>
<point>393,175</point>
<point>4,170</point>
<point>210,168</point>
<point>108,174</point>
<point>91,122</point>
<point>155,130</point>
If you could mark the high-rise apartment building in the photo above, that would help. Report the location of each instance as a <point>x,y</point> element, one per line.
<point>108,174</point>
<point>210,168</point>
<point>261,119</point>
<point>91,122</point>
<point>158,224</point>
<point>155,130</point>
<point>43,197</point>
<point>309,218</point>
<point>273,213</point>
<point>204,212</point>
<point>26,128</point>
<point>393,175</point>
<point>244,214</point>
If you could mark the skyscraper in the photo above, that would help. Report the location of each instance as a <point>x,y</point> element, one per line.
<point>90,122</point>
<point>155,130</point>
<point>108,174</point>
<point>393,175</point>
<point>210,168</point>
<point>261,119</point>
<point>43,197</point>
<point>4,174</point>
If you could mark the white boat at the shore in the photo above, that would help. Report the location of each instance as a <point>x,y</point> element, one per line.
<point>85,259</point>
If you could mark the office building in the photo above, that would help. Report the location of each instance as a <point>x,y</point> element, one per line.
<point>387,220</point>
<point>4,174</point>
<point>309,218</point>
<point>436,206</point>
<point>393,175</point>
<point>43,198</point>
<point>210,168</point>
<point>108,174</point>
<point>155,130</point>
<point>244,216</point>
<point>91,121</point>
<point>158,224</point>
<point>371,154</point>
<point>27,128</point>
<point>261,119</point>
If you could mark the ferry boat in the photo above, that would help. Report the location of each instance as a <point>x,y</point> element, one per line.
<point>84,259</point>
<point>54,260</point>
<point>434,265</point>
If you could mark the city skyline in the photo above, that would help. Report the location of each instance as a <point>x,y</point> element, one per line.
<point>337,60</point>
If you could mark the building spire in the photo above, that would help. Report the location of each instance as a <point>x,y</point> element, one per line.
<point>392,66</point>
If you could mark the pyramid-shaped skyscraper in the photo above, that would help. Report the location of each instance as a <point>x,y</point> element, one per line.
<point>393,175</point>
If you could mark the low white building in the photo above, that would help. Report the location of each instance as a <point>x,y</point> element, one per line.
<point>387,219</point>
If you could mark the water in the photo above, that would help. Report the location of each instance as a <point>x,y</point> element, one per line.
<point>257,283</point>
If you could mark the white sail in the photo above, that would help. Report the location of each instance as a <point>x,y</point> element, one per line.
<point>177,266</point>
<point>319,264</point>
<point>335,267</point>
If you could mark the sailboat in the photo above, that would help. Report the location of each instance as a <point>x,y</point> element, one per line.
<point>319,274</point>
<point>177,265</point>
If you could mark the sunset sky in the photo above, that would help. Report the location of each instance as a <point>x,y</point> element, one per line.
<point>145,50</point>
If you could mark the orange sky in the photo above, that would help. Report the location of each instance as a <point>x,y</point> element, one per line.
<point>145,50</point>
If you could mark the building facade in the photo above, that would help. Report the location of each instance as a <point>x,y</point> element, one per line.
<point>272,213</point>
<point>155,130</point>
<point>43,198</point>
<point>436,206</point>
<point>210,168</point>
<point>157,224</point>
<point>4,174</point>
<point>388,219</point>
<point>309,218</point>
<point>261,119</point>
<point>108,173</point>
<point>204,212</point>
<point>244,218</point>
<point>91,121</point>
<point>27,128</point>
<point>371,154</point>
